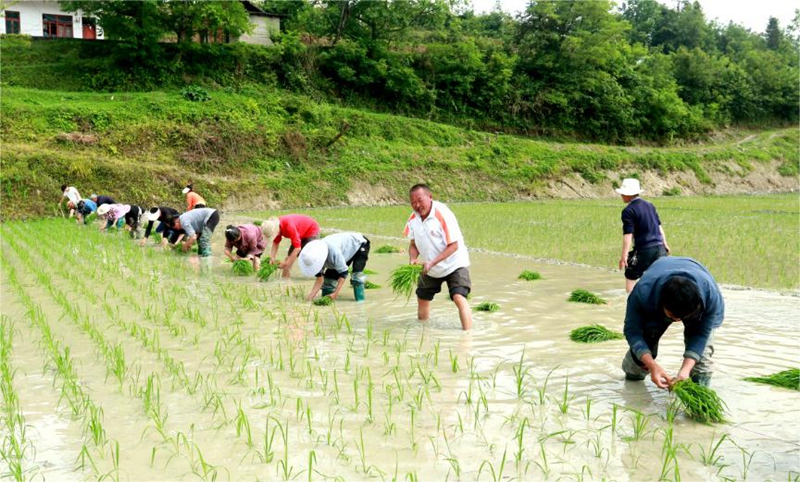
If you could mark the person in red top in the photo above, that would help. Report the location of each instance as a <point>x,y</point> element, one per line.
<point>298,228</point>
<point>249,243</point>
<point>193,200</point>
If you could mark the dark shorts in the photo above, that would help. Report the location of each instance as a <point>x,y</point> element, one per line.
<point>133,217</point>
<point>358,262</point>
<point>303,243</point>
<point>641,259</point>
<point>458,283</point>
<point>212,222</point>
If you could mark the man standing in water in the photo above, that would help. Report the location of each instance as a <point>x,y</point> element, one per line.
<point>673,290</point>
<point>641,227</point>
<point>437,242</point>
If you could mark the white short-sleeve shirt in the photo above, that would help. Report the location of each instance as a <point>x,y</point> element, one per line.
<point>432,235</point>
<point>72,194</point>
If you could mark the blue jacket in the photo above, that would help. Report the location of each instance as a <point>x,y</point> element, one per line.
<point>645,318</point>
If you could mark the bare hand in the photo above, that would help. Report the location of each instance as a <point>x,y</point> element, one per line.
<point>679,377</point>
<point>659,377</point>
<point>623,262</point>
<point>143,241</point>
<point>426,267</point>
<point>333,296</point>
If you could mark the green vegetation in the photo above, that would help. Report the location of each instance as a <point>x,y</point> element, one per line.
<point>266,270</point>
<point>323,301</point>
<point>583,296</point>
<point>786,379</point>
<point>369,285</point>
<point>487,306</point>
<point>404,278</point>
<point>700,402</point>
<point>243,267</point>
<point>594,334</point>
<point>387,249</point>
<point>528,275</point>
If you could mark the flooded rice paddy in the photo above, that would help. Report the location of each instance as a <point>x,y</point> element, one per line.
<point>128,363</point>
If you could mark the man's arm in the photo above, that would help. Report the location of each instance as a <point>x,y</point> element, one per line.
<point>187,245</point>
<point>446,253</point>
<point>315,289</point>
<point>627,240</point>
<point>339,285</point>
<point>663,237</point>
<point>413,252</point>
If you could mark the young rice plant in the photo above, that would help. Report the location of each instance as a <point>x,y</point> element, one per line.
<point>594,334</point>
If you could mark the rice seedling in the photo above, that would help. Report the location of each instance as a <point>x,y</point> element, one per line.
<point>323,301</point>
<point>583,296</point>
<point>242,267</point>
<point>701,403</point>
<point>487,306</point>
<point>266,271</point>
<point>786,379</point>
<point>404,278</point>
<point>369,285</point>
<point>528,275</point>
<point>387,249</point>
<point>594,334</point>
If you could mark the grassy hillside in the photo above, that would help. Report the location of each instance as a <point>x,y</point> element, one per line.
<point>264,148</point>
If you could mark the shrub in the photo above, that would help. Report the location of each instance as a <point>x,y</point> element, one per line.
<point>195,93</point>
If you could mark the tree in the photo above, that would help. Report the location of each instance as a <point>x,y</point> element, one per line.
<point>773,34</point>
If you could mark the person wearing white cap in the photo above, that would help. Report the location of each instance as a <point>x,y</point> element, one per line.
<point>193,200</point>
<point>163,215</point>
<point>328,259</point>
<point>641,228</point>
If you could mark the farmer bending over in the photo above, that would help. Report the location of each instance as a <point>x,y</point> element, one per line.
<point>673,290</point>
<point>164,216</point>
<point>298,228</point>
<point>199,220</point>
<point>72,196</point>
<point>437,242</point>
<point>328,259</point>
<point>84,208</point>
<point>248,240</point>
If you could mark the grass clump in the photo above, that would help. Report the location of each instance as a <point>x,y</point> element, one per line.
<point>701,403</point>
<point>369,285</point>
<point>583,296</point>
<point>594,334</point>
<point>266,271</point>
<point>387,249</point>
<point>323,301</point>
<point>404,279</point>
<point>243,267</point>
<point>487,306</point>
<point>786,379</point>
<point>529,275</point>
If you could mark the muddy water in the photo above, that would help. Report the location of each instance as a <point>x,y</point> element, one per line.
<point>373,393</point>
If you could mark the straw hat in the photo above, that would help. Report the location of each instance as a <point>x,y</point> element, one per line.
<point>103,209</point>
<point>153,214</point>
<point>630,187</point>
<point>271,227</point>
<point>313,257</point>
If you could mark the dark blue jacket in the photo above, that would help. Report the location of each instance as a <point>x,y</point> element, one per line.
<point>645,315</point>
<point>641,219</point>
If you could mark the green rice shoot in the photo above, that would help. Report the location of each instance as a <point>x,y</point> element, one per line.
<point>404,278</point>
<point>700,403</point>
<point>487,306</point>
<point>528,275</point>
<point>583,296</point>
<point>387,249</point>
<point>369,285</point>
<point>267,270</point>
<point>323,301</point>
<point>594,334</point>
<point>243,267</point>
<point>369,271</point>
<point>786,379</point>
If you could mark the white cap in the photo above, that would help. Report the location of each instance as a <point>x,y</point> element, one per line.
<point>312,257</point>
<point>103,209</point>
<point>153,214</point>
<point>186,190</point>
<point>630,187</point>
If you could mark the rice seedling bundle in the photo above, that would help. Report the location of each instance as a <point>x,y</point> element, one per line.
<point>266,271</point>
<point>404,278</point>
<point>583,296</point>
<point>369,285</point>
<point>487,306</point>
<point>387,249</point>
<point>369,271</point>
<point>786,379</point>
<point>529,275</point>
<point>323,301</point>
<point>594,334</point>
<point>701,403</point>
<point>243,267</point>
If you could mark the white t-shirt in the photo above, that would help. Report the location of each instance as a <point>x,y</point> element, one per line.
<point>72,194</point>
<point>432,236</point>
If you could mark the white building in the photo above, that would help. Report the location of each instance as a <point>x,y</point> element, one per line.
<point>46,19</point>
<point>264,26</point>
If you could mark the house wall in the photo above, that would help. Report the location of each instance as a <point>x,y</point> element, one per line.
<point>30,16</point>
<point>264,28</point>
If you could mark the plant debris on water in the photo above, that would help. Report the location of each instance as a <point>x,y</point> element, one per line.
<point>243,267</point>
<point>487,306</point>
<point>323,301</point>
<point>583,296</point>
<point>594,334</point>
<point>786,379</point>
<point>369,285</point>
<point>701,403</point>
<point>267,270</point>
<point>387,249</point>
<point>529,275</point>
<point>404,279</point>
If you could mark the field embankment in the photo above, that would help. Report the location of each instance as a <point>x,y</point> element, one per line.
<point>261,148</point>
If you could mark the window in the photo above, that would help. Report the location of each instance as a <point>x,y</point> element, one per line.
<point>12,22</point>
<point>57,25</point>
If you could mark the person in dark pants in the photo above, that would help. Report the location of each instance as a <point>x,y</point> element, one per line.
<point>163,215</point>
<point>328,259</point>
<point>85,208</point>
<point>673,290</point>
<point>641,227</point>
<point>199,224</point>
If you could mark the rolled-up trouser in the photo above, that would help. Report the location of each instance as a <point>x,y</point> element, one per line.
<point>701,372</point>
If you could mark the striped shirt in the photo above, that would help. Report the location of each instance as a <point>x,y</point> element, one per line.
<point>433,234</point>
